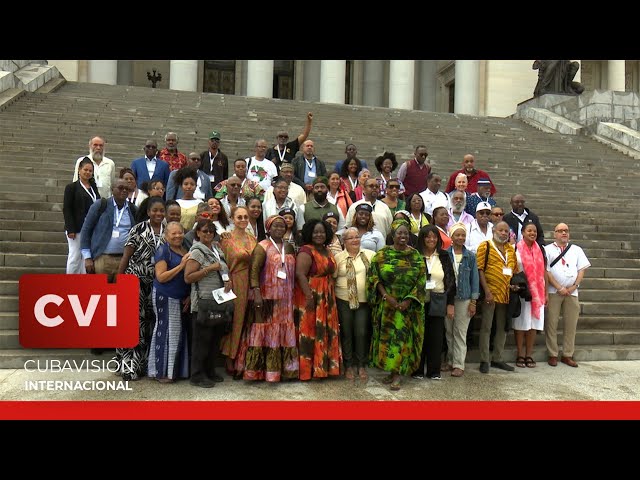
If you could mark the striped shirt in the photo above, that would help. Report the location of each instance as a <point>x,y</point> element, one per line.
<point>497,281</point>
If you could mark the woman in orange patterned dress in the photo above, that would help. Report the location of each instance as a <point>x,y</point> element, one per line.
<point>315,312</point>
<point>272,351</point>
<point>237,246</point>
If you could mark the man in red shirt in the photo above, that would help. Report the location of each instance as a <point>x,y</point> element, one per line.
<point>170,154</point>
<point>472,174</point>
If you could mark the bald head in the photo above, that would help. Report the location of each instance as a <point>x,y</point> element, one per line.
<point>468,163</point>
<point>561,234</point>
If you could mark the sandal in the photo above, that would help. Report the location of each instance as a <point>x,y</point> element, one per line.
<point>349,374</point>
<point>363,374</point>
<point>529,362</point>
<point>395,385</point>
<point>521,362</point>
<point>457,372</point>
<point>388,379</point>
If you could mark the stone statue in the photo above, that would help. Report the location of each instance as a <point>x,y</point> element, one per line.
<point>556,76</point>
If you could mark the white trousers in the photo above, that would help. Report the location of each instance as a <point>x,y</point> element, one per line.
<point>75,263</point>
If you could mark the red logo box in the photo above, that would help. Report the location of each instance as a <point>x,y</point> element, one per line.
<point>78,311</point>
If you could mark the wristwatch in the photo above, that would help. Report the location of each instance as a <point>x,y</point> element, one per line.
<point>577,285</point>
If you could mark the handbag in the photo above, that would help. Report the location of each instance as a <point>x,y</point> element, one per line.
<point>437,305</point>
<point>212,314</point>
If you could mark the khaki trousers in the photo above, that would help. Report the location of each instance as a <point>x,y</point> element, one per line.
<point>569,307</point>
<point>457,334</point>
<point>108,264</point>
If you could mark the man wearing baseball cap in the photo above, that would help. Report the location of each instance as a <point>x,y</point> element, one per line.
<point>481,228</point>
<point>482,195</point>
<point>214,162</point>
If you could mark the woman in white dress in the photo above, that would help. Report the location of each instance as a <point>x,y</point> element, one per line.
<point>531,260</point>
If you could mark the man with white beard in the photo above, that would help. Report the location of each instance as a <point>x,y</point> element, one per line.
<point>104,169</point>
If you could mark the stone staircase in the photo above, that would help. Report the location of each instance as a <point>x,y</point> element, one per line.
<point>564,178</point>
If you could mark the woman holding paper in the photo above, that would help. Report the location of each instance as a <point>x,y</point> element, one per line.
<point>206,271</point>
<point>272,352</point>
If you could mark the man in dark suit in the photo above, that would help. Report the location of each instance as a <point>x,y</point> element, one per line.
<point>517,216</point>
<point>150,166</point>
<point>308,167</point>
<point>214,162</point>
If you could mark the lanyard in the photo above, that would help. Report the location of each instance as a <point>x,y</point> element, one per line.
<point>283,154</point>
<point>89,191</point>
<point>119,213</point>
<point>156,242</point>
<point>354,183</point>
<point>280,252</point>
<point>132,200</point>
<point>215,253</point>
<point>309,163</point>
<point>504,257</point>
<point>211,159</point>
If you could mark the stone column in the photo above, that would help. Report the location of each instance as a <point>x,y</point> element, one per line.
<point>428,85</point>
<point>615,75</point>
<point>373,84</point>
<point>183,75</point>
<point>311,86</point>
<point>260,78</point>
<point>103,71</point>
<point>332,80</point>
<point>125,72</point>
<point>401,80</point>
<point>467,87</point>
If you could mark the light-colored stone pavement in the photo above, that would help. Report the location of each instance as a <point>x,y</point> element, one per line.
<point>603,380</point>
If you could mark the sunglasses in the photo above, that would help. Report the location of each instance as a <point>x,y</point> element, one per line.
<point>498,214</point>
<point>389,187</point>
<point>207,231</point>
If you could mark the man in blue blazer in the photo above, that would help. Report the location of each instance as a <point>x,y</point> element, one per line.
<point>150,166</point>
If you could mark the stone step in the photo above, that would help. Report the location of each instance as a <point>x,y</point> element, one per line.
<point>583,353</point>
<point>30,206</point>
<point>8,303</point>
<point>33,247</point>
<point>609,283</point>
<point>16,357</point>
<point>32,225</point>
<point>613,322</point>
<point>615,262</point>
<point>609,295</point>
<point>17,235</point>
<point>30,215</point>
<point>9,320</point>
<point>8,287</point>
<point>608,309</point>
<point>9,339</point>
<point>28,260</point>
<point>14,273</point>
<point>33,197</point>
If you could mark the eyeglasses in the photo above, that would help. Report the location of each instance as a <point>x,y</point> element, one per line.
<point>157,188</point>
<point>214,139</point>
<point>423,154</point>
<point>389,187</point>
<point>233,185</point>
<point>484,213</point>
<point>150,146</point>
<point>563,230</point>
<point>123,188</point>
<point>207,231</point>
<point>498,214</point>
<point>283,136</point>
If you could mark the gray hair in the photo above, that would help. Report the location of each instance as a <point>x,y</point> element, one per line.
<point>171,133</point>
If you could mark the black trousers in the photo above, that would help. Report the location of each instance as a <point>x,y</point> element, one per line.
<point>432,345</point>
<point>204,348</point>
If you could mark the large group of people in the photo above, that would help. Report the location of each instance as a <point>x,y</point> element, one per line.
<point>291,271</point>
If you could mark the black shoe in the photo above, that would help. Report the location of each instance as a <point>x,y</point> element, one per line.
<point>202,382</point>
<point>217,378</point>
<point>502,366</point>
<point>484,367</point>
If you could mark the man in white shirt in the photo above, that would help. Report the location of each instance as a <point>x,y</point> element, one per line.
<point>259,169</point>
<point>104,169</point>
<point>382,217</point>
<point>565,276</point>
<point>432,196</point>
<point>481,229</point>
<point>458,201</point>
